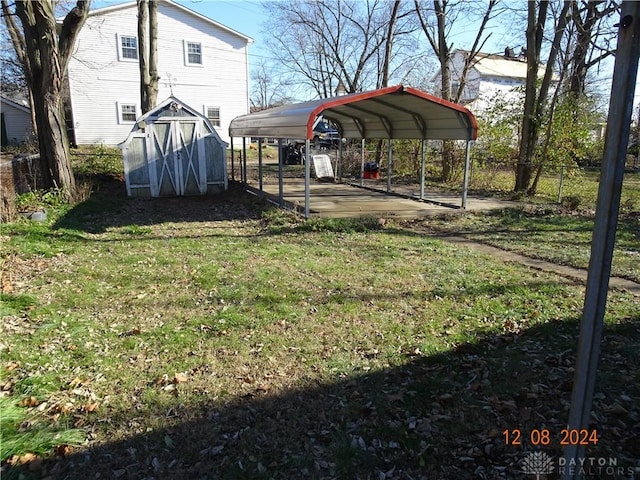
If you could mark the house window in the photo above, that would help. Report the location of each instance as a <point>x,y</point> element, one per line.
<point>213,114</point>
<point>128,48</point>
<point>193,53</point>
<point>127,112</point>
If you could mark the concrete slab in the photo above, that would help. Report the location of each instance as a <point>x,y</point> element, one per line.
<point>334,200</point>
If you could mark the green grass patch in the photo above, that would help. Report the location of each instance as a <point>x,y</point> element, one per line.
<point>550,235</point>
<point>22,433</point>
<point>265,346</point>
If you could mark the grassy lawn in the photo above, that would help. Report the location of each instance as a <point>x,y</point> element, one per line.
<point>550,235</point>
<point>217,338</point>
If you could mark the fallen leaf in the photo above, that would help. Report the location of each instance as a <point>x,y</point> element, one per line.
<point>180,378</point>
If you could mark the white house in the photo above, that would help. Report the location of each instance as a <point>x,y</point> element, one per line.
<point>488,76</point>
<point>16,121</point>
<point>200,61</point>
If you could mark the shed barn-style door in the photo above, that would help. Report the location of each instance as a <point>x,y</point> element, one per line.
<point>177,153</point>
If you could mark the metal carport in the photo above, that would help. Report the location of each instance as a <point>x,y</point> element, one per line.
<point>396,112</point>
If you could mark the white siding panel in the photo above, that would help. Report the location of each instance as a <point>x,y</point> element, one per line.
<point>99,82</point>
<point>17,123</point>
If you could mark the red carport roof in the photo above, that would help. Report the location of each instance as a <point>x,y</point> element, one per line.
<point>391,112</point>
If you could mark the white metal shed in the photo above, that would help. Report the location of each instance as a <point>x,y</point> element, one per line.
<point>172,151</point>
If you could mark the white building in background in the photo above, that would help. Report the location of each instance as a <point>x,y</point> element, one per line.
<point>200,61</point>
<point>15,121</point>
<point>488,76</point>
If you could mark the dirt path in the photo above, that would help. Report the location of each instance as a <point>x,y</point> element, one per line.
<point>578,275</point>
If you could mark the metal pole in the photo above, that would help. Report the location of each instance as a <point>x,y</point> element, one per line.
<point>260,165</point>
<point>280,173</point>
<point>233,173</point>
<point>422,169</point>
<point>307,179</point>
<point>561,182</point>
<point>244,160</point>
<point>465,182</point>
<point>389,166</point>
<point>362,163</point>
<point>606,222</point>
<point>339,162</point>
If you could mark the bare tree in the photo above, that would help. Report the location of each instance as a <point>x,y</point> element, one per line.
<point>536,93</point>
<point>269,90</point>
<point>592,39</point>
<point>148,53</point>
<point>324,42</point>
<point>437,22</point>
<point>44,49</point>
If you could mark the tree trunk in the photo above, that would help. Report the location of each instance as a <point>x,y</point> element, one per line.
<point>143,21</point>
<point>148,53</point>
<point>48,54</point>
<point>438,41</point>
<point>536,100</point>
<point>153,53</point>
<point>53,140</point>
<point>523,168</point>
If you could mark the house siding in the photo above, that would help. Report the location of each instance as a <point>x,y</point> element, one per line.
<point>100,83</point>
<point>17,123</point>
<point>481,89</point>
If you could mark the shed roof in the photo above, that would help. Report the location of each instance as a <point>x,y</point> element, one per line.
<point>14,104</point>
<point>391,112</point>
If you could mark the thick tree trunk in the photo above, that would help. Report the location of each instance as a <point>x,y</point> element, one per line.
<point>48,53</point>
<point>153,53</point>
<point>148,53</point>
<point>53,141</point>
<point>535,102</point>
<point>525,155</point>
<point>143,20</point>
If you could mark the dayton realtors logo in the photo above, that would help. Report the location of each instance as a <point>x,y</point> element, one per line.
<point>539,463</point>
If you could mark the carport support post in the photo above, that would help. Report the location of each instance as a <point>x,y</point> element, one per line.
<point>465,182</point>
<point>260,165</point>
<point>244,160</point>
<point>307,179</point>
<point>390,166</point>
<point>362,163</point>
<point>339,162</point>
<point>233,173</point>
<point>280,173</point>
<point>604,230</point>
<point>422,169</point>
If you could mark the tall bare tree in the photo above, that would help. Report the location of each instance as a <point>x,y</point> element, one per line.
<point>437,22</point>
<point>148,53</point>
<point>537,93</point>
<point>269,89</point>
<point>592,39</point>
<point>328,41</point>
<point>44,49</point>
